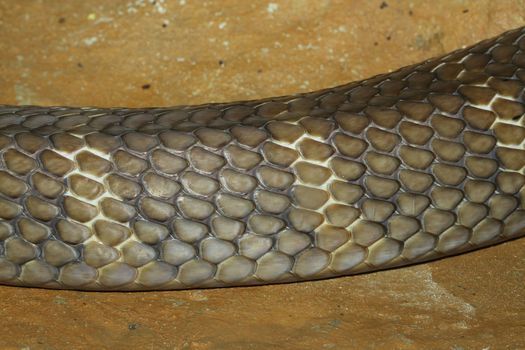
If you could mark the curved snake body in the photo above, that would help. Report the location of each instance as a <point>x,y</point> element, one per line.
<point>406,167</point>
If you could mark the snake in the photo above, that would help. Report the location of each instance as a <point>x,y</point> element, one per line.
<point>410,166</point>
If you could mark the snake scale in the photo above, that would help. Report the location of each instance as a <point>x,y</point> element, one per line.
<point>405,167</point>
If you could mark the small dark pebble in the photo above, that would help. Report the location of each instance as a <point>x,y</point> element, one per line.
<point>164,25</point>
<point>62,20</point>
<point>388,38</point>
<point>375,43</point>
<point>465,10</point>
<point>259,71</point>
<point>146,86</point>
<point>221,63</point>
<point>80,65</point>
<point>133,326</point>
<point>410,13</point>
<point>383,5</point>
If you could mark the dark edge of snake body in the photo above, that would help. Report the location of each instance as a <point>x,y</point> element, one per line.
<point>411,166</point>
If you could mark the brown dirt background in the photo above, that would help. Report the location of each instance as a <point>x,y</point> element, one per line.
<point>159,53</point>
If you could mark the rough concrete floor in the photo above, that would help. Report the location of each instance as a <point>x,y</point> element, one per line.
<point>162,52</point>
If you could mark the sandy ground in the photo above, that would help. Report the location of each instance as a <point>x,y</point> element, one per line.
<point>169,52</point>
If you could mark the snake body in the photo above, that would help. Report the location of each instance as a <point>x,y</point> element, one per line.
<point>410,166</point>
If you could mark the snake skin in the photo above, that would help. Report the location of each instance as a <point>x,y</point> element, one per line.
<point>411,166</point>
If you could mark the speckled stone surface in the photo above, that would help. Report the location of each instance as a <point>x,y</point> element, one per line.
<point>159,53</point>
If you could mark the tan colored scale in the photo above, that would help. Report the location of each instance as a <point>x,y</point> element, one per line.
<point>406,167</point>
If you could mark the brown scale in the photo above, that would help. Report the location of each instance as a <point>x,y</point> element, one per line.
<point>97,166</point>
<point>238,182</point>
<point>406,167</point>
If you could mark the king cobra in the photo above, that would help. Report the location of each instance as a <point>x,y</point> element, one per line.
<point>405,167</point>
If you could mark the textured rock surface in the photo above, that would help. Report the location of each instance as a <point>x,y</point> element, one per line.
<point>167,53</point>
